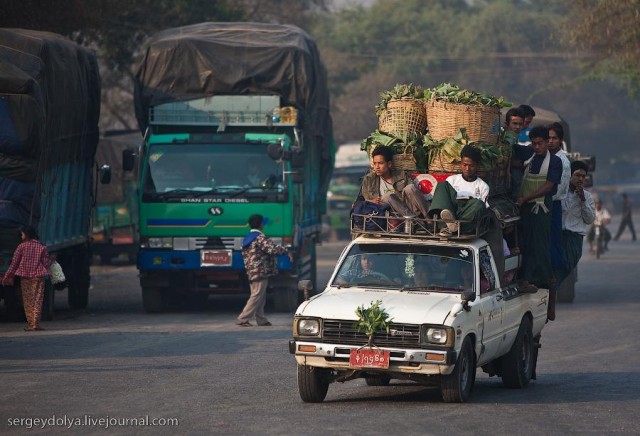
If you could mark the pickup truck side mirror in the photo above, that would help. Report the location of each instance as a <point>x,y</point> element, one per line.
<point>128,160</point>
<point>275,151</point>
<point>105,174</point>
<point>466,297</point>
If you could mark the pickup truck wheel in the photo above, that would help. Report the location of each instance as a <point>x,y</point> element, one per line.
<point>285,299</point>
<point>517,364</point>
<point>382,380</point>
<point>153,299</point>
<point>457,386</point>
<point>313,383</point>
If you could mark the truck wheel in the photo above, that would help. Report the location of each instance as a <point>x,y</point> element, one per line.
<point>313,383</point>
<point>285,299</point>
<point>457,386</point>
<point>153,299</point>
<point>567,289</point>
<point>381,380</point>
<point>517,364</point>
<point>48,301</point>
<point>79,278</point>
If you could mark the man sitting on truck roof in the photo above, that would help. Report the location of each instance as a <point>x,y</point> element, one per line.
<point>461,196</point>
<point>385,184</point>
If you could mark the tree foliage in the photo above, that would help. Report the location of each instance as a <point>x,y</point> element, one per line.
<point>610,30</point>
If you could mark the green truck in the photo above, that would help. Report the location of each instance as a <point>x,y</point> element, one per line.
<point>236,121</point>
<point>116,212</point>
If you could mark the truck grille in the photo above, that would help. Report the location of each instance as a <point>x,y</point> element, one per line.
<point>345,332</point>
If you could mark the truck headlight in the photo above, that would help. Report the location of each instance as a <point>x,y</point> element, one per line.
<point>160,242</point>
<point>437,335</point>
<point>308,327</point>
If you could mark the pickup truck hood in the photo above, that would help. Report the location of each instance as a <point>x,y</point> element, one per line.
<point>402,307</point>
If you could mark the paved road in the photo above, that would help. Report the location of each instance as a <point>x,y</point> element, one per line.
<point>113,362</point>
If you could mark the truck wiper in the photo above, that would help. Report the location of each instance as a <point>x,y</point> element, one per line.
<point>171,193</point>
<point>417,288</point>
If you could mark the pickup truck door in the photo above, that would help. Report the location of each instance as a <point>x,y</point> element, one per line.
<point>492,309</point>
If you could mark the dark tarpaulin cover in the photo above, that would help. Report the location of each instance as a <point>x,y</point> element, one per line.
<point>210,59</point>
<point>49,110</point>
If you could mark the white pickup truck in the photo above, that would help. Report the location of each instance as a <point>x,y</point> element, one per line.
<point>450,310</point>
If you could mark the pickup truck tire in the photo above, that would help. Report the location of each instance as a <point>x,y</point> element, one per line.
<point>313,383</point>
<point>457,386</point>
<point>382,380</point>
<point>285,299</point>
<point>518,363</point>
<point>153,299</point>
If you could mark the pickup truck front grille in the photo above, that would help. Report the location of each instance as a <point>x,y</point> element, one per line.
<point>345,332</point>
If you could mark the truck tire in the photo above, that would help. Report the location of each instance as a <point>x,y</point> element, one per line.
<point>285,299</point>
<point>48,306</point>
<point>457,386</point>
<point>567,289</point>
<point>313,384</point>
<point>518,363</point>
<point>153,299</point>
<point>78,278</point>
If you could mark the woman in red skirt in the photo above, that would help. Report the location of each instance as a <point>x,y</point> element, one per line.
<point>31,263</point>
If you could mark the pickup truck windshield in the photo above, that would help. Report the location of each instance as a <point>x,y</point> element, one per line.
<point>410,268</point>
<point>218,169</point>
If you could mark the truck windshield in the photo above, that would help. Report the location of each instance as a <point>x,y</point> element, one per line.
<point>410,268</point>
<point>221,170</point>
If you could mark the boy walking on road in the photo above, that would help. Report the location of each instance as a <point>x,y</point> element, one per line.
<point>258,253</point>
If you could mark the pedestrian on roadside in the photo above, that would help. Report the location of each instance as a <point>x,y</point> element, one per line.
<point>578,211</point>
<point>626,219</point>
<point>31,263</point>
<point>258,253</point>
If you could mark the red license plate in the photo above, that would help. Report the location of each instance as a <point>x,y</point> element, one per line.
<point>368,358</point>
<point>215,258</point>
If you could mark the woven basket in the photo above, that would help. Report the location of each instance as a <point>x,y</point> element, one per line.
<point>497,178</point>
<point>403,116</point>
<point>482,123</point>
<point>405,160</point>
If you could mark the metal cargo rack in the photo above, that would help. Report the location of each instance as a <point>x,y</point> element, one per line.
<point>402,227</point>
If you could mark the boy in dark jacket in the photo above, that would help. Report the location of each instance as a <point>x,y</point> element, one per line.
<point>258,253</point>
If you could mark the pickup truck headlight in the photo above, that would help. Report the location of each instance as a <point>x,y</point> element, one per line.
<point>307,327</point>
<point>437,335</point>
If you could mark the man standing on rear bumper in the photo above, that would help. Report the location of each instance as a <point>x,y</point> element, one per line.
<point>258,253</point>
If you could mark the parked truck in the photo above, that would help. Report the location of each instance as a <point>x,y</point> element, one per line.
<point>236,121</point>
<point>116,213</point>
<point>49,110</point>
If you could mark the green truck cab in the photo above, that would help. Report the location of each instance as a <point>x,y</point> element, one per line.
<point>213,157</point>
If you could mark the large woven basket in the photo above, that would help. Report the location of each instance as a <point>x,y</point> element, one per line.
<point>403,116</point>
<point>482,123</point>
<point>439,165</point>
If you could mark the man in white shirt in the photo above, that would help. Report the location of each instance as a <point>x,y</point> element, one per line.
<point>603,217</point>
<point>461,196</point>
<point>578,211</point>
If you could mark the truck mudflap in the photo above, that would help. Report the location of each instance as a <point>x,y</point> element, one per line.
<point>336,356</point>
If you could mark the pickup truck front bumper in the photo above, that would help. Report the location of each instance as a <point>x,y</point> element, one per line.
<point>408,361</point>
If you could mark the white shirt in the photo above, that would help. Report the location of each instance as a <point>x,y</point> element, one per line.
<point>476,189</point>
<point>563,186</point>
<point>603,217</point>
<point>577,214</point>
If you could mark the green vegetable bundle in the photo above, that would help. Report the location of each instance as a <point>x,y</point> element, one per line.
<point>412,141</point>
<point>454,94</point>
